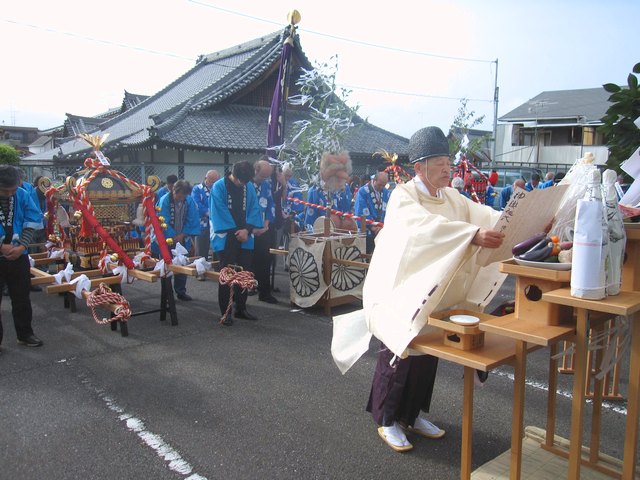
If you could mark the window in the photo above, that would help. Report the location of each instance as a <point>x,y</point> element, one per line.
<point>588,136</point>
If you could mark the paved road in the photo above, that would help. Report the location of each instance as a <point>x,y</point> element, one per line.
<point>257,400</point>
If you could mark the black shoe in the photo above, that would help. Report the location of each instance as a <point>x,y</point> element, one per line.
<point>245,315</point>
<point>36,288</point>
<point>227,321</point>
<point>268,298</point>
<point>184,297</point>
<point>31,341</point>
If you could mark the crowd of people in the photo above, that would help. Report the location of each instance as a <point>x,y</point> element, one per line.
<point>423,235</point>
<point>237,218</point>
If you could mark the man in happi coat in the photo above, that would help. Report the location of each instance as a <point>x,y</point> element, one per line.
<point>265,237</point>
<point>371,202</point>
<point>182,218</point>
<point>424,261</point>
<point>200,194</point>
<point>19,218</point>
<point>235,213</point>
<point>340,200</point>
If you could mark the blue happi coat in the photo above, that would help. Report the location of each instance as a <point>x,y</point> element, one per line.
<point>200,194</point>
<point>222,222</point>
<point>293,191</point>
<point>340,201</point>
<point>190,226</point>
<point>26,214</point>
<point>33,193</point>
<point>366,205</point>
<point>265,201</point>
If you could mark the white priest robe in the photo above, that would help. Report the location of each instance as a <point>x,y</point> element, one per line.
<point>423,262</point>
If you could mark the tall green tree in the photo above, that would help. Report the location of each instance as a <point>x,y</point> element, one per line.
<point>622,135</point>
<point>9,155</point>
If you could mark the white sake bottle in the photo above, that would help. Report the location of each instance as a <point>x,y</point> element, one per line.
<point>617,236</point>
<point>588,279</point>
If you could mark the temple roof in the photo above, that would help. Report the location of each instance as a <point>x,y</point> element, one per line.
<point>209,107</point>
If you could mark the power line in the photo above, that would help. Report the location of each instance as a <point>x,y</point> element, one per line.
<point>410,94</point>
<point>230,67</point>
<point>345,39</point>
<point>97,40</point>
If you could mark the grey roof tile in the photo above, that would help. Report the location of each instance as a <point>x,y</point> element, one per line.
<point>192,109</point>
<point>589,103</point>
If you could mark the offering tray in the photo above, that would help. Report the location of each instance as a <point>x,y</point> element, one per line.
<point>462,337</point>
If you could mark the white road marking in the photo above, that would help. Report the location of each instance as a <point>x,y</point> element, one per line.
<point>171,457</point>
<point>542,386</point>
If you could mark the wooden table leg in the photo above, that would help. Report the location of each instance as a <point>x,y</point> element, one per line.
<point>633,405</point>
<point>517,420</point>
<point>579,382</point>
<point>551,398</point>
<point>467,424</point>
<point>594,445</point>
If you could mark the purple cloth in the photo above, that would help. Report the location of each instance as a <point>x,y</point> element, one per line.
<point>399,392</point>
<point>275,130</point>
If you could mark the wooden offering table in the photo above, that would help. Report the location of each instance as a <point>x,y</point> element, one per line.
<point>496,351</point>
<point>626,304</point>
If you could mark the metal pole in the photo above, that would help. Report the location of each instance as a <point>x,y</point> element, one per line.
<point>495,118</point>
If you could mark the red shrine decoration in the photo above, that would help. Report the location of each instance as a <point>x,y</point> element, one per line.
<point>104,200</point>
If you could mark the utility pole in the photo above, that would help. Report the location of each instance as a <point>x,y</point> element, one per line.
<point>495,118</point>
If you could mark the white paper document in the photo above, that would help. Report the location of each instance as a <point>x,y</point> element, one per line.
<point>526,214</point>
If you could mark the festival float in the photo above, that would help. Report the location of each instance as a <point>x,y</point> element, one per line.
<point>107,239</point>
<point>327,264</point>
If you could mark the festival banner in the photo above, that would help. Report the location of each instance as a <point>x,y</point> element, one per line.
<point>347,279</point>
<point>305,272</point>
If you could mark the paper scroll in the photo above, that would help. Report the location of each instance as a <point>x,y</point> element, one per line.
<point>526,214</point>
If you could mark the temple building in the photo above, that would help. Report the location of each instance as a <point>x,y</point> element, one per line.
<point>216,113</point>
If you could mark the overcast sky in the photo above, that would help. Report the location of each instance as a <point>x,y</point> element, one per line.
<point>79,56</point>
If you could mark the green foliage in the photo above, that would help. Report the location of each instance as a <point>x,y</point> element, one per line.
<point>622,135</point>
<point>9,155</point>
<point>464,121</point>
<point>330,120</point>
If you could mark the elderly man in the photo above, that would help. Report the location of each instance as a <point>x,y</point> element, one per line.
<point>424,261</point>
<point>200,194</point>
<point>548,180</point>
<point>458,184</point>
<point>266,235</point>
<point>371,202</point>
<point>507,191</point>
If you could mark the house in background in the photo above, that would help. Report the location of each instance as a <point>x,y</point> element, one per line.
<point>214,114</point>
<point>18,137</point>
<point>554,128</point>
